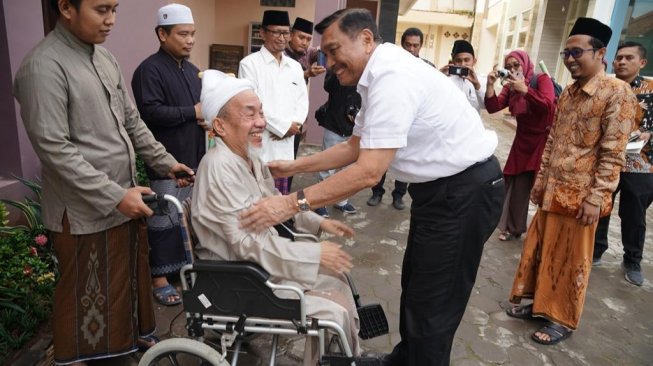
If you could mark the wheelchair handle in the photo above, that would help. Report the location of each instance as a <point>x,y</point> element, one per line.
<point>151,198</point>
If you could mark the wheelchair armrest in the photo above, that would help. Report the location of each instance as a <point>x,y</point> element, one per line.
<point>241,267</point>
<point>301,236</point>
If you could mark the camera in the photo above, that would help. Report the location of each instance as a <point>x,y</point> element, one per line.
<point>503,73</point>
<point>458,70</point>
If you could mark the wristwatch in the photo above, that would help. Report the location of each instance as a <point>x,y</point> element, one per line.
<point>302,202</point>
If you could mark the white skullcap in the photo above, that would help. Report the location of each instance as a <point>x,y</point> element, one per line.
<point>217,89</point>
<point>175,14</point>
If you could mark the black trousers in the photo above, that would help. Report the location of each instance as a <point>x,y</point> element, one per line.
<point>636,196</point>
<point>451,219</point>
<point>298,139</point>
<point>398,192</point>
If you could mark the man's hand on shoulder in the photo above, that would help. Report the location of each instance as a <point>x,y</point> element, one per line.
<point>337,228</point>
<point>282,168</point>
<point>132,204</point>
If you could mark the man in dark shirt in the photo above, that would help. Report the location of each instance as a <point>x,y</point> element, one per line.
<point>337,117</point>
<point>167,91</point>
<point>299,49</point>
<point>636,178</point>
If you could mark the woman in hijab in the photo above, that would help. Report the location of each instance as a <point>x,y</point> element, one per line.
<point>531,100</point>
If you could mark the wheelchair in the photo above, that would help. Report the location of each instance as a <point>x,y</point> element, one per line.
<point>235,299</point>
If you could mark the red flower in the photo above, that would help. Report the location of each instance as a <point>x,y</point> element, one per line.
<point>27,271</point>
<point>41,239</point>
<point>33,251</point>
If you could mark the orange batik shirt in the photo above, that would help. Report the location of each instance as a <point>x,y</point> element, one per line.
<point>585,150</point>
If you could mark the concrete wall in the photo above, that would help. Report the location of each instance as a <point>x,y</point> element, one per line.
<point>232,18</point>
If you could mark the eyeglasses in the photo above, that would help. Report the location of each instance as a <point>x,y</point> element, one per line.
<point>575,52</point>
<point>277,33</point>
<point>511,67</point>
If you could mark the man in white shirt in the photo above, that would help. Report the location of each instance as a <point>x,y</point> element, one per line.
<point>279,82</point>
<point>464,76</point>
<point>415,122</point>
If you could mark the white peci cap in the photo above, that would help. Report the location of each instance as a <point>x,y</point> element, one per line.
<point>175,14</point>
<point>217,89</point>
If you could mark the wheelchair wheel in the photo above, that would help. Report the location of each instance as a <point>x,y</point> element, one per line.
<point>181,351</point>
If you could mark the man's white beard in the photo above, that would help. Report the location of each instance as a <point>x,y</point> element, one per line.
<point>254,152</point>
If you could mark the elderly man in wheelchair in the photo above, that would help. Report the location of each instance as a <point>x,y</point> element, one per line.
<point>230,178</point>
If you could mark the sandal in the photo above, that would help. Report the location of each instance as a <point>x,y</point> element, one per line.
<point>163,295</point>
<point>556,333</point>
<point>147,342</point>
<point>520,312</point>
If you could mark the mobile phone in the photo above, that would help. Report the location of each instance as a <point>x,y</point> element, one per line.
<point>321,58</point>
<point>458,70</point>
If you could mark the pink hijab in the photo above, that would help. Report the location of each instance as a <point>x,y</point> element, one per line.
<point>516,102</point>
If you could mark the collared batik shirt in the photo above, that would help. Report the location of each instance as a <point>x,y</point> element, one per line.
<point>585,150</point>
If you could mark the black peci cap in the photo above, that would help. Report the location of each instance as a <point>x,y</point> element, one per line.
<point>461,46</point>
<point>303,25</point>
<point>275,17</point>
<point>593,28</point>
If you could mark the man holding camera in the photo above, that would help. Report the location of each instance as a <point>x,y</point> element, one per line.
<point>461,72</point>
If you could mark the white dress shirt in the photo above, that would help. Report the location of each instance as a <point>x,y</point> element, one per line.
<point>410,106</point>
<point>282,90</point>
<point>475,97</point>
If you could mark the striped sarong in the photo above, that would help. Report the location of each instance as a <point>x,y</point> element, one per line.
<point>103,300</point>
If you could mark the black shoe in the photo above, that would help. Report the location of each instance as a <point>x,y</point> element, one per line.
<point>632,273</point>
<point>374,200</point>
<point>398,203</point>
<point>374,358</point>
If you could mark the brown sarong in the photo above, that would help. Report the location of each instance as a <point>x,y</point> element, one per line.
<point>103,301</point>
<point>555,266</point>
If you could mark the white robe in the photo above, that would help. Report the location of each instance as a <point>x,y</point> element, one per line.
<point>225,186</point>
<point>282,90</point>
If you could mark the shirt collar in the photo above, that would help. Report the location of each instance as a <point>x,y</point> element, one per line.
<point>294,55</point>
<point>269,57</point>
<point>169,57</point>
<point>366,76</point>
<point>592,85</point>
<point>637,82</point>
<point>71,40</point>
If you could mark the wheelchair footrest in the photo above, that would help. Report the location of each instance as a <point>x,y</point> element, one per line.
<point>339,360</point>
<point>373,321</point>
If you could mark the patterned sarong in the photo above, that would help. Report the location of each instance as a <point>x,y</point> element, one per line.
<point>555,267</point>
<point>103,300</point>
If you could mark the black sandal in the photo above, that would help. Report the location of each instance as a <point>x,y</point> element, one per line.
<point>521,312</point>
<point>556,333</point>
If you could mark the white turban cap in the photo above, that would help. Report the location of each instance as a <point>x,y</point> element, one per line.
<point>175,14</point>
<point>217,89</point>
